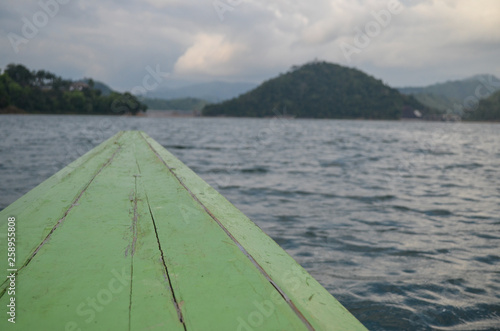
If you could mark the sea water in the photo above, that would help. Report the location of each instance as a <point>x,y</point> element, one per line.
<point>400,221</point>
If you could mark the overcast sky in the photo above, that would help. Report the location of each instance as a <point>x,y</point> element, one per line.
<point>411,43</point>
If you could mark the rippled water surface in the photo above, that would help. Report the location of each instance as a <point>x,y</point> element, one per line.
<point>400,221</point>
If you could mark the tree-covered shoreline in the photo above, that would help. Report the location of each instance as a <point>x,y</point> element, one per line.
<point>41,92</point>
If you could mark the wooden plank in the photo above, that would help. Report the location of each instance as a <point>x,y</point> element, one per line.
<point>81,277</point>
<point>44,206</point>
<point>318,306</point>
<point>152,303</point>
<point>216,286</point>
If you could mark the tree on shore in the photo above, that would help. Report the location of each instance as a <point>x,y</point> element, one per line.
<point>42,92</point>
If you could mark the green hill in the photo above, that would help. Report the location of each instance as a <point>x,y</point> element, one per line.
<point>320,90</point>
<point>454,96</point>
<point>488,109</point>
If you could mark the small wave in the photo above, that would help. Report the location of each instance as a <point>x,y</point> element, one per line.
<point>178,147</point>
<point>367,249</point>
<point>255,170</point>
<point>219,170</point>
<point>333,163</point>
<point>310,234</point>
<point>430,212</point>
<point>297,172</point>
<point>464,166</point>
<point>434,152</point>
<point>402,208</point>
<point>278,193</point>
<point>489,259</point>
<point>212,148</point>
<point>371,199</point>
<point>286,219</point>
<point>437,212</point>
<point>477,216</point>
<point>451,185</point>
<point>486,236</point>
<point>305,254</point>
<point>230,187</point>
<point>411,253</point>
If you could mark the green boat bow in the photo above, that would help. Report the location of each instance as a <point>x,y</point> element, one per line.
<point>129,238</point>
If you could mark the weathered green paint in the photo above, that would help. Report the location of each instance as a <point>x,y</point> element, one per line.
<point>129,238</point>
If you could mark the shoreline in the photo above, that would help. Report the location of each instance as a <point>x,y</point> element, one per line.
<point>184,114</point>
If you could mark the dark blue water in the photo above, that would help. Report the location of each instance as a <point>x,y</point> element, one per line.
<point>400,221</point>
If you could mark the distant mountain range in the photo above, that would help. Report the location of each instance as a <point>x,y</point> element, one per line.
<point>455,97</point>
<point>181,103</point>
<point>322,90</point>
<point>212,91</point>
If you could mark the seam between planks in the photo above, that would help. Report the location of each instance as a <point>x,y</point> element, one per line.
<point>247,254</point>
<point>134,240</point>
<point>61,220</point>
<point>167,275</point>
<point>165,269</point>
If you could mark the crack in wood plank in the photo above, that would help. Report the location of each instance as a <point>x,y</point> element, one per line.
<point>166,273</point>
<point>247,254</point>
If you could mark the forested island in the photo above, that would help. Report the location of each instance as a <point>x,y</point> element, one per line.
<point>322,90</point>
<point>42,92</point>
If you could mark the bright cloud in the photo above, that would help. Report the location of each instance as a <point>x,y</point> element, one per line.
<point>210,55</point>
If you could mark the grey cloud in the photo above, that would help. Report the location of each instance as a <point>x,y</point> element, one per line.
<point>114,40</point>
